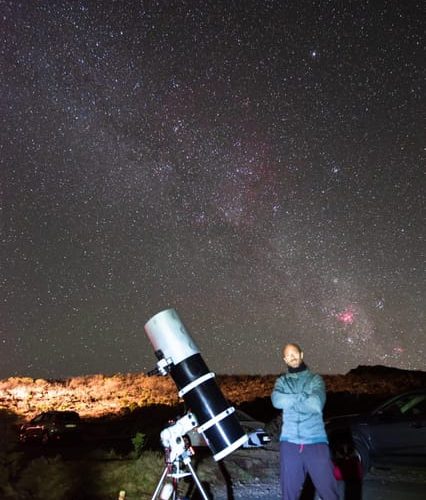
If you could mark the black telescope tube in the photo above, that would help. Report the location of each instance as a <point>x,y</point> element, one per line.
<point>188,370</point>
<point>206,401</point>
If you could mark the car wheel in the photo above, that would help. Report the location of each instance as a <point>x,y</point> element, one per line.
<point>351,458</point>
<point>363,457</point>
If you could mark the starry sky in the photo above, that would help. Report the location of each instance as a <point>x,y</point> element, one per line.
<point>256,165</point>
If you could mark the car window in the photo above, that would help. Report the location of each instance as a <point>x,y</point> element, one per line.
<point>67,416</point>
<point>416,406</point>
<point>393,409</point>
<point>411,404</point>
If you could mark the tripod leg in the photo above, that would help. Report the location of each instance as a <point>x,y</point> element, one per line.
<point>160,483</point>
<point>197,481</point>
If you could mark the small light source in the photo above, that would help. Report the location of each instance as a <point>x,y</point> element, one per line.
<point>179,356</point>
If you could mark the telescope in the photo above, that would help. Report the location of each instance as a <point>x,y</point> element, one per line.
<point>179,356</point>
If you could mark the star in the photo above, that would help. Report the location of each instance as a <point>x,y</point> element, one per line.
<point>217,160</point>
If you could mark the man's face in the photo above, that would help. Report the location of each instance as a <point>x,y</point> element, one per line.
<point>292,356</point>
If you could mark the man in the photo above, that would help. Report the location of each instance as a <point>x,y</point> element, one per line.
<point>303,441</point>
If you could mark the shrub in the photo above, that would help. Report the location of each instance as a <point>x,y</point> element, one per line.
<point>138,443</point>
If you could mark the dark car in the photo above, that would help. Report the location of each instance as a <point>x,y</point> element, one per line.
<point>50,426</point>
<point>394,432</point>
<point>255,430</point>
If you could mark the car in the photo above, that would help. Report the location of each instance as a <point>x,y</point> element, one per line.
<point>50,426</point>
<point>255,430</point>
<point>393,433</point>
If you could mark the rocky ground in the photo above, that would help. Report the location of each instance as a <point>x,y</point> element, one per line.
<point>253,475</point>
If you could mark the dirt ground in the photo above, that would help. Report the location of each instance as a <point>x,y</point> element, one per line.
<point>253,475</point>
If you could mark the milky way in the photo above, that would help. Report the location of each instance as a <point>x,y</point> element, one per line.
<point>257,165</point>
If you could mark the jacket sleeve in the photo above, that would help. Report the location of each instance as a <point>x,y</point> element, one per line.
<point>281,398</point>
<point>313,399</point>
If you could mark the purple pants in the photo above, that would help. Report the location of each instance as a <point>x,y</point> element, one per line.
<point>297,460</point>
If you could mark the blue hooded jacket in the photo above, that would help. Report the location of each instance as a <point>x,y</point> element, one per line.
<point>301,396</point>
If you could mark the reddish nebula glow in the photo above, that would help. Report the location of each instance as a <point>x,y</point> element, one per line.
<point>347,317</point>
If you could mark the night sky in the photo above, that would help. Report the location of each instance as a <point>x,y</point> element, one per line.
<point>256,165</point>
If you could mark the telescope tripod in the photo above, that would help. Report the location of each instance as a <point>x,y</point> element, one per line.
<point>175,470</point>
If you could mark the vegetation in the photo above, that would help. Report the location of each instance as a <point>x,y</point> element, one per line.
<point>53,478</point>
<point>138,444</point>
